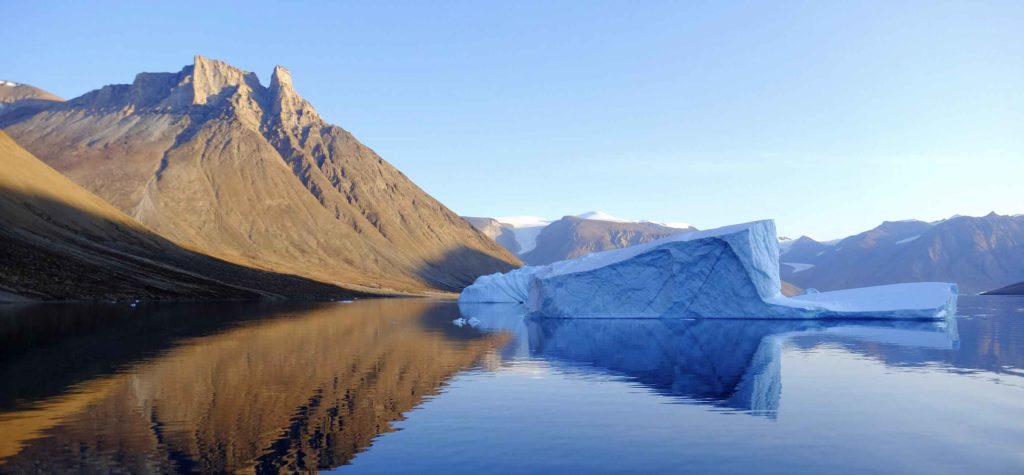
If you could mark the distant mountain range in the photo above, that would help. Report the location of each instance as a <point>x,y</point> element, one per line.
<point>538,241</point>
<point>214,161</point>
<point>978,253</point>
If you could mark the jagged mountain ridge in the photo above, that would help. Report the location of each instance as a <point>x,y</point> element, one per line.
<point>978,253</point>
<point>571,237</point>
<point>59,241</point>
<point>539,242</point>
<point>211,158</point>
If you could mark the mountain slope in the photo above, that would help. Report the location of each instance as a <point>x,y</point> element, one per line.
<point>571,237</point>
<point>211,158</point>
<point>538,241</point>
<point>59,241</point>
<point>804,250</point>
<point>502,233</point>
<point>978,253</point>
<point>1015,289</point>
<point>11,92</point>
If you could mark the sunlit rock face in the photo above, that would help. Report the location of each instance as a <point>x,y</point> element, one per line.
<point>729,272</point>
<point>210,158</point>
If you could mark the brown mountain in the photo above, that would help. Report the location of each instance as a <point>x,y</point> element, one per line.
<point>11,92</point>
<point>212,159</point>
<point>978,253</point>
<point>500,232</point>
<point>59,241</point>
<point>571,237</point>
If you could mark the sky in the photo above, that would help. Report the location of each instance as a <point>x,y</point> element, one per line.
<point>829,117</point>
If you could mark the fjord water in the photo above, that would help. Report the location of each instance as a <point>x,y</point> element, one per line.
<point>392,386</point>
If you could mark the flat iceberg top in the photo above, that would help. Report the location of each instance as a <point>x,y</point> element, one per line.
<point>882,298</point>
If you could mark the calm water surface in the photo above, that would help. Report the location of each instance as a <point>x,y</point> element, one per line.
<point>395,386</point>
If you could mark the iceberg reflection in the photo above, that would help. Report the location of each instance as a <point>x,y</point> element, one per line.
<point>730,363</point>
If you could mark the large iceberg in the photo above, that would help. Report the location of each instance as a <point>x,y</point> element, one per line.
<point>729,272</point>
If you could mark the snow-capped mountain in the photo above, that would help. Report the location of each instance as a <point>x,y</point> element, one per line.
<point>540,241</point>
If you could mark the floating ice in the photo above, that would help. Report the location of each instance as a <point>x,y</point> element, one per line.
<point>729,272</point>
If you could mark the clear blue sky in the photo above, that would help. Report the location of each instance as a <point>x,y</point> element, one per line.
<point>827,116</point>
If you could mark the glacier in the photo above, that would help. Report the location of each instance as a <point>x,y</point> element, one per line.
<point>728,272</point>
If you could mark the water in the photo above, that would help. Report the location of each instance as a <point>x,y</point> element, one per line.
<point>393,386</point>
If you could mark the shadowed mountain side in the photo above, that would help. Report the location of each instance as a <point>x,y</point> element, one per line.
<point>1015,289</point>
<point>442,271</point>
<point>245,400</point>
<point>212,159</point>
<point>58,241</point>
<point>501,232</point>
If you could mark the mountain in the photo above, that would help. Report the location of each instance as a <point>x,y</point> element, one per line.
<point>214,160</point>
<point>804,249</point>
<point>59,241</point>
<point>1014,289</point>
<point>502,233</point>
<point>538,241</point>
<point>11,92</point>
<point>571,237</point>
<point>978,253</point>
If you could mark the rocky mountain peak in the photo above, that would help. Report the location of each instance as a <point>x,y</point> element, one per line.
<point>212,159</point>
<point>281,78</point>
<point>287,108</point>
<point>211,78</point>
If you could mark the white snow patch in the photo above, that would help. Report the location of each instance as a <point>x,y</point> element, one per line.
<point>8,83</point>
<point>819,253</point>
<point>525,229</point>
<point>527,238</point>
<point>675,224</point>
<point>523,221</point>
<point>602,216</point>
<point>798,266</point>
<point>904,241</point>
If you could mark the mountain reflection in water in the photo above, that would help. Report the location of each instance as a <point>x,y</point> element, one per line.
<point>271,387</point>
<point>222,388</point>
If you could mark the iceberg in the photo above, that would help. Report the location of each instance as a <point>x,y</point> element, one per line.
<point>729,272</point>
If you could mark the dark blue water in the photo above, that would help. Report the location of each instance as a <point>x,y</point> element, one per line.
<point>393,386</point>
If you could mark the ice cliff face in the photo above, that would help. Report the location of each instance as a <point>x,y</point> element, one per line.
<point>729,272</point>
